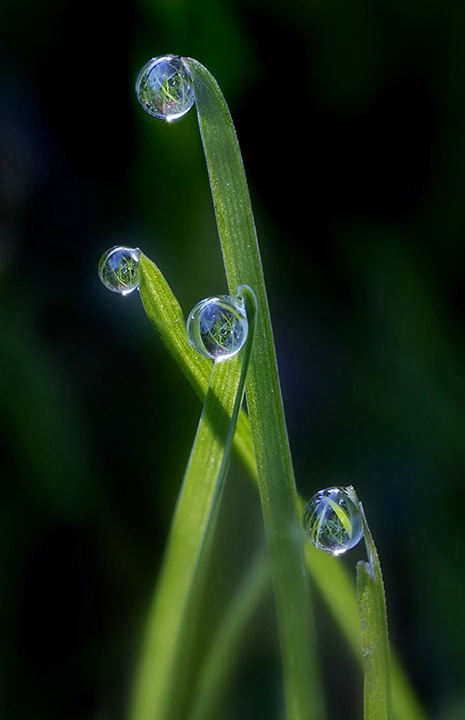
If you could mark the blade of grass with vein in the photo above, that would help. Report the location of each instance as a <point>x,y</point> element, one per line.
<point>337,588</point>
<point>165,314</point>
<point>329,576</point>
<point>278,495</point>
<point>158,687</point>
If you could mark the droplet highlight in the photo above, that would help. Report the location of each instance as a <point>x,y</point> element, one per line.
<point>332,520</point>
<point>118,269</point>
<point>217,327</point>
<point>165,88</point>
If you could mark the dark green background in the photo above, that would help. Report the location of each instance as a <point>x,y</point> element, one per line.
<point>351,119</point>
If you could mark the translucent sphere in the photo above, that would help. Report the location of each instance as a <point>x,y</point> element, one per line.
<point>118,269</point>
<point>217,327</point>
<point>332,521</point>
<point>165,88</point>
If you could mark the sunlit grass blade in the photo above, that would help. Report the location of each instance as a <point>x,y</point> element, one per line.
<point>329,576</point>
<point>165,314</point>
<point>163,663</point>
<point>242,262</point>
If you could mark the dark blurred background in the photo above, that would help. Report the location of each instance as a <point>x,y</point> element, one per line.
<point>351,119</point>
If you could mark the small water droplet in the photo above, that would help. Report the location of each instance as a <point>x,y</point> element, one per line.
<point>118,269</point>
<point>332,521</point>
<point>164,87</point>
<point>217,327</point>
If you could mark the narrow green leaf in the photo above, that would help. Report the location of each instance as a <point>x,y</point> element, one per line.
<point>329,576</point>
<point>159,682</point>
<point>377,695</point>
<point>375,650</point>
<point>278,495</point>
<point>165,314</point>
<point>337,588</point>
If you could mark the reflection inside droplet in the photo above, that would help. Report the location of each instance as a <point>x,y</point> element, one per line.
<point>332,521</point>
<point>165,88</point>
<point>118,269</point>
<point>217,327</point>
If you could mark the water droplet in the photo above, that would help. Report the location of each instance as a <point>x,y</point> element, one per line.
<point>332,520</point>
<point>118,269</point>
<point>164,87</point>
<point>217,327</point>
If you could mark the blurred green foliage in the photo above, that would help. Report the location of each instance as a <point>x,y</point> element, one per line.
<point>350,117</point>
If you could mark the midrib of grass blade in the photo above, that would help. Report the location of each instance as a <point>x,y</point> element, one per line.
<point>278,495</point>
<point>164,662</point>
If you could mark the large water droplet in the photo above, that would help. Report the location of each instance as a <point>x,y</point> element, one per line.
<point>165,88</point>
<point>217,327</point>
<point>332,520</point>
<point>118,269</point>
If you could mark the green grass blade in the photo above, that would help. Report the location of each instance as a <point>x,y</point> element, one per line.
<point>377,694</point>
<point>159,682</point>
<point>242,262</point>
<point>222,655</point>
<point>329,576</point>
<point>377,702</point>
<point>165,314</point>
<point>337,588</point>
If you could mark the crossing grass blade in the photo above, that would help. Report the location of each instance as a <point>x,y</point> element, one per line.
<point>164,662</point>
<point>241,257</point>
<point>329,576</point>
